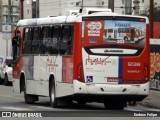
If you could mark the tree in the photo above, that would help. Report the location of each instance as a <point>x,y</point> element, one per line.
<point>156,16</point>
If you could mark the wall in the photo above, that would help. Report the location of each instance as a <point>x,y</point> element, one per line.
<point>155,64</point>
<point>27,9</point>
<point>3,51</point>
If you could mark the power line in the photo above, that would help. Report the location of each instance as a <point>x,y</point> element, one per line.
<point>58,2</point>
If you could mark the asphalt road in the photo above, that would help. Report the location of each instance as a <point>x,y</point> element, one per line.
<point>14,102</point>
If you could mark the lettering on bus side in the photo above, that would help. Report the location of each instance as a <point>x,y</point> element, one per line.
<point>122,25</point>
<point>94,28</point>
<point>134,64</point>
<point>97,61</point>
<point>51,64</point>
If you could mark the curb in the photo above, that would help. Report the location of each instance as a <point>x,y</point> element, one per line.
<point>152,101</point>
<point>146,104</point>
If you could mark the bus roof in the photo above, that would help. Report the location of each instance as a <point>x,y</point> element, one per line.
<point>69,19</point>
<point>88,11</point>
<point>47,20</point>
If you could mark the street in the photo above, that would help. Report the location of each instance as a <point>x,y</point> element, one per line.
<point>10,101</point>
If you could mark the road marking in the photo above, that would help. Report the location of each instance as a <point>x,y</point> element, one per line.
<point>131,109</point>
<point>141,108</point>
<point>12,97</point>
<point>149,109</point>
<point>40,107</point>
<point>16,108</point>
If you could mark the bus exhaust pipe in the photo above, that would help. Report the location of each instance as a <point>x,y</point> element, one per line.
<point>132,103</point>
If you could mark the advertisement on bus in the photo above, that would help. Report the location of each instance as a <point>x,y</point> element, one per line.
<point>114,32</point>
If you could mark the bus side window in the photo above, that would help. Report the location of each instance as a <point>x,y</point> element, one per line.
<point>54,48</point>
<point>27,41</point>
<point>66,40</point>
<point>45,38</point>
<point>42,49</point>
<point>35,41</point>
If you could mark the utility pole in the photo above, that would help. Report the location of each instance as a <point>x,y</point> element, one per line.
<point>111,5</point>
<point>82,4</point>
<point>151,17</point>
<point>9,23</point>
<point>136,7</point>
<point>37,8</point>
<point>10,11</point>
<point>21,9</point>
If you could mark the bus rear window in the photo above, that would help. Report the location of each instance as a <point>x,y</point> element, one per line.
<point>126,31</point>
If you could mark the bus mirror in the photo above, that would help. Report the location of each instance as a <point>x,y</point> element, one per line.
<point>15,47</point>
<point>15,41</point>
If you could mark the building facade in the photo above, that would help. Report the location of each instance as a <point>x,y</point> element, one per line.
<point>9,12</point>
<point>59,7</point>
<point>27,12</point>
<point>9,15</point>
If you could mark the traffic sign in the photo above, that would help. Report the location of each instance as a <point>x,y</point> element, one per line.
<point>6,28</point>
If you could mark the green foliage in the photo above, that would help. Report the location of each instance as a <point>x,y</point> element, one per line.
<point>156,16</point>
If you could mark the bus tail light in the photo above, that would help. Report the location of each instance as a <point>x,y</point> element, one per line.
<point>146,74</point>
<point>80,74</point>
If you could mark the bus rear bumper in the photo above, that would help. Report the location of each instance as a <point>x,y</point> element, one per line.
<point>111,89</point>
<point>108,98</point>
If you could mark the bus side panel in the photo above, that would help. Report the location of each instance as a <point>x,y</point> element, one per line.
<point>18,65</point>
<point>77,49</point>
<point>67,68</point>
<point>44,66</point>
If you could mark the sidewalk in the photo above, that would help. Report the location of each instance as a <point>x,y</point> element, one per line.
<point>153,100</point>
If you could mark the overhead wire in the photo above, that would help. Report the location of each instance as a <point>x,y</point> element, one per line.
<point>70,2</point>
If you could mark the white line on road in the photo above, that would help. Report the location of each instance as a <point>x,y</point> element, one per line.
<point>149,109</point>
<point>16,108</point>
<point>131,109</point>
<point>141,108</point>
<point>40,107</point>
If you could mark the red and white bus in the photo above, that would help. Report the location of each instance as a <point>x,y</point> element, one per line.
<point>67,59</point>
<point>124,33</point>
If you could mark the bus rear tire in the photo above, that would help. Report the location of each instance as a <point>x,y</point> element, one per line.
<point>6,82</point>
<point>53,99</point>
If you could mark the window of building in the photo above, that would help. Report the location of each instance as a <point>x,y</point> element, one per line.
<point>14,10</point>
<point>5,19</point>
<point>5,10</point>
<point>122,1</point>
<point>102,2</point>
<point>15,19</point>
<point>78,4</point>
